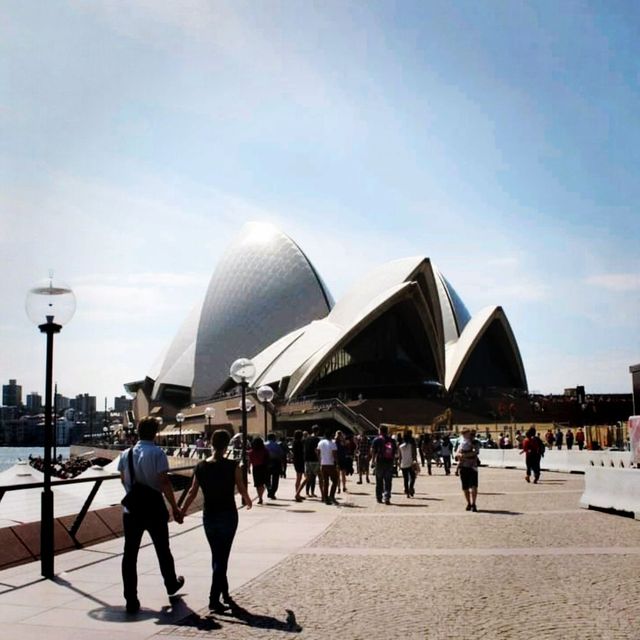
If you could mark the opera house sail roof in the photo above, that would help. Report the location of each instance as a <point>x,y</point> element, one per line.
<point>400,329</point>
<point>263,287</point>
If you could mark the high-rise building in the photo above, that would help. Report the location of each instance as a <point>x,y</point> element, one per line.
<point>34,402</point>
<point>84,403</point>
<point>121,404</point>
<point>12,394</point>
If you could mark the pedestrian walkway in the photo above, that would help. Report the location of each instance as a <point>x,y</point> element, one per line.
<point>530,564</point>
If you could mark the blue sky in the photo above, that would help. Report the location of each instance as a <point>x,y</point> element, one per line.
<point>501,139</point>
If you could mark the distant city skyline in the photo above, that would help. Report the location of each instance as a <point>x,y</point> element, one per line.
<point>500,140</point>
<point>10,399</point>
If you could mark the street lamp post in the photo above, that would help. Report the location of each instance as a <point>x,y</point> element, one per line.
<point>50,306</point>
<point>209,412</point>
<point>265,395</point>
<point>180,420</point>
<point>243,372</point>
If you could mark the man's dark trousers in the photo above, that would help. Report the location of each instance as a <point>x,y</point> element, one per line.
<point>157,526</point>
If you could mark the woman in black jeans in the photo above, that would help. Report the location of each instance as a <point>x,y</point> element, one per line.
<point>218,477</point>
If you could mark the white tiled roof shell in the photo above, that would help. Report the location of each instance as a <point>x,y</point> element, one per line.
<point>297,354</point>
<point>262,288</point>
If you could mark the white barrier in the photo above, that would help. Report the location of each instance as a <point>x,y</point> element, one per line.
<point>553,460</point>
<point>608,488</point>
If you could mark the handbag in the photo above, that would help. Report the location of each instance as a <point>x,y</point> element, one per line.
<point>141,500</point>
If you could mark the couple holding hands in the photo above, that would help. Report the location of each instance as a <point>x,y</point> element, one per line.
<point>218,477</point>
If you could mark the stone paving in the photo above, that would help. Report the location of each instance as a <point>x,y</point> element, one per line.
<point>530,564</point>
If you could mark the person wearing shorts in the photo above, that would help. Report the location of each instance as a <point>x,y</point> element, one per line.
<point>311,461</point>
<point>467,457</point>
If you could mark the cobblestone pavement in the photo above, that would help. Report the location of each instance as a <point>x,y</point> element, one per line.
<point>530,564</point>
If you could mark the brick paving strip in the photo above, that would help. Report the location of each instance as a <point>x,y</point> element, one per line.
<point>530,565</point>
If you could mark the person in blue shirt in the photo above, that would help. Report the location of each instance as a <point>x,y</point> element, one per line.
<point>150,467</point>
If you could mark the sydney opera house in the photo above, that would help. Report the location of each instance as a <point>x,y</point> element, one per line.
<point>399,347</point>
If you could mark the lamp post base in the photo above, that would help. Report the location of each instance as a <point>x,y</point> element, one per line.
<point>46,534</point>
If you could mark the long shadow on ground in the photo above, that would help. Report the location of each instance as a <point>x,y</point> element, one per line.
<point>205,621</point>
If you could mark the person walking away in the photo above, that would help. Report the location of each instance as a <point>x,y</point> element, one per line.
<point>312,462</point>
<point>147,464</point>
<point>274,468</point>
<point>383,456</point>
<point>580,438</point>
<point>559,438</point>
<point>363,456</point>
<point>569,439</point>
<point>343,460</point>
<point>549,438</point>
<point>445,451</point>
<point>284,457</point>
<point>200,447</point>
<point>259,460</point>
<point>420,451</point>
<point>428,450</point>
<point>297,450</point>
<point>467,457</point>
<point>350,445</point>
<point>218,477</point>
<point>328,455</point>
<point>533,449</point>
<point>408,455</point>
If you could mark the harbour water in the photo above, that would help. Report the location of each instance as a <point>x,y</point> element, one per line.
<point>10,455</point>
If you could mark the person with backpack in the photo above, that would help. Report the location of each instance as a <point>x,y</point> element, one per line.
<point>383,454</point>
<point>533,448</point>
<point>145,466</point>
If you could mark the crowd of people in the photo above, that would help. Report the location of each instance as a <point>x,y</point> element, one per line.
<point>325,462</point>
<point>62,468</point>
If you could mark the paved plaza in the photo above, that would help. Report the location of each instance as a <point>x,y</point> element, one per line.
<point>530,564</point>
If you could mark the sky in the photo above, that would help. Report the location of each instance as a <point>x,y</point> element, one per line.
<point>500,139</point>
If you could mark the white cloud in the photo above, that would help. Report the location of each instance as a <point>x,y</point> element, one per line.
<point>617,282</point>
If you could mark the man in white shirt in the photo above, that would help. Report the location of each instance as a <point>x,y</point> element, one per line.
<point>328,455</point>
<point>150,467</point>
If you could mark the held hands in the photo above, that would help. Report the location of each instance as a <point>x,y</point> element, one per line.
<point>178,515</point>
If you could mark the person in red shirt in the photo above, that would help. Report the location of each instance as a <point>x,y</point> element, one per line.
<point>533,449</point>
<point>580,438</point>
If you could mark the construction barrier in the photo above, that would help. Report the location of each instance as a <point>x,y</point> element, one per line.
<point>606,488</point>
<point>553,460</point>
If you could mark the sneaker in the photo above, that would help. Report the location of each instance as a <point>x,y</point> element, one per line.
<point>133,606</point>
<point>179,584</point>
<point>228,601</point>
<point>217,607</point>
